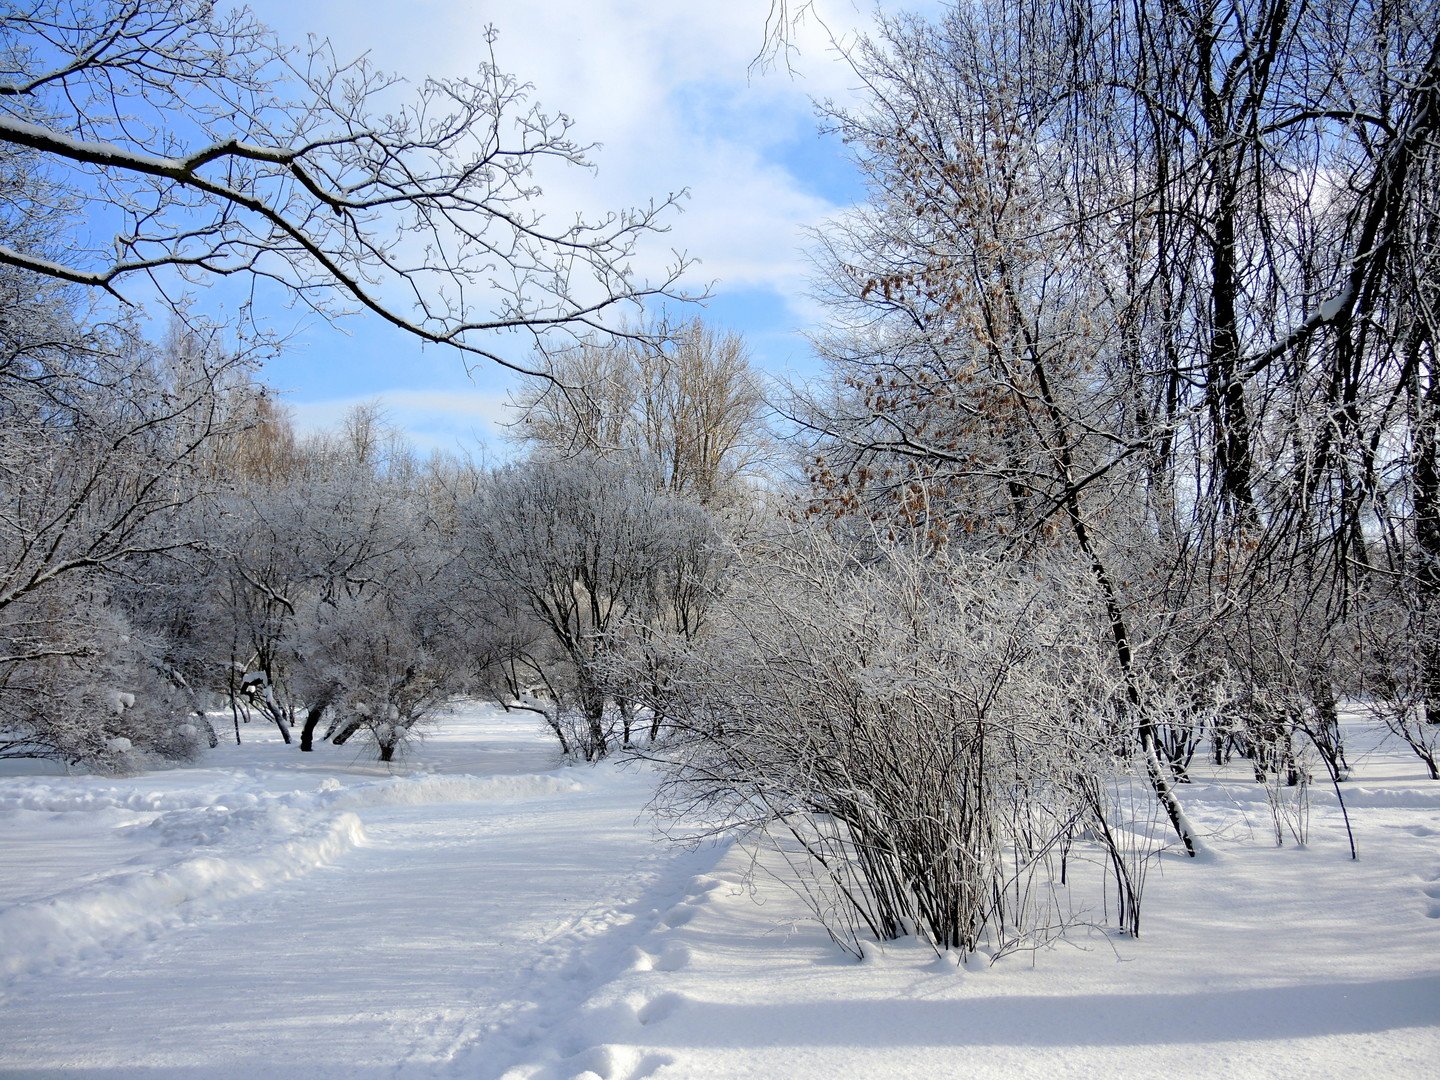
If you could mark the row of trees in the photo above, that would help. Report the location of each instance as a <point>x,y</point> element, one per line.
<point>173,546</point>
<point>1154,285</point>
<point>166,537</point>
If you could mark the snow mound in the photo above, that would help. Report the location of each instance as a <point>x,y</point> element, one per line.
<point>82,795</point>
<point>84,798</point>
<point>199,846</point>
<point>252,850</point>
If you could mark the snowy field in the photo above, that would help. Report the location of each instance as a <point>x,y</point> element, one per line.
<point>481,911</point>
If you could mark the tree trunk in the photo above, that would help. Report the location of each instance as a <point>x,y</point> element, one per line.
<point>312,720</point>
<point>1427,540</point>
<point>277,714</point>
<point>348,729</point>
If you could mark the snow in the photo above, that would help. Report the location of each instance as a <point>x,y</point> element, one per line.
<point>1331,308</point>
<point>483,911</point>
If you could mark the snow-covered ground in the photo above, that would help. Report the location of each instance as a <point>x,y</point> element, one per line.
<point>483,912</point>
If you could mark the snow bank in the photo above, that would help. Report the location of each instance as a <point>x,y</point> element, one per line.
<point>92,920</point>
<point>80,795</point>
<point>83,795</point>
<point>188,842</point>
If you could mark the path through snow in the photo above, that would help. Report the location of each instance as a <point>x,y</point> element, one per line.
<point>320,920</point>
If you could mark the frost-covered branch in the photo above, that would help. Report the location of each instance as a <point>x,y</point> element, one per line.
<point>202,147</point>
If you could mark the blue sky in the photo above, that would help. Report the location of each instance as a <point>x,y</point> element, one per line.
<point>666,88</point>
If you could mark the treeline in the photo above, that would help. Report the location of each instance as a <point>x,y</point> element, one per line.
<point>1130,453</point>
<point>1144,299</point>
<point>1152,289</point>
<point>176,548</point>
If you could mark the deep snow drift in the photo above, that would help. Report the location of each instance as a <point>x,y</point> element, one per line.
<point>482,911</point>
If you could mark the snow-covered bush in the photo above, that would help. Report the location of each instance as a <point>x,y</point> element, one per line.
<point>384,657</point>
<point>82,686</point>
<point>369,664</point>
<point>925,734</point>
<point>1396,679</point>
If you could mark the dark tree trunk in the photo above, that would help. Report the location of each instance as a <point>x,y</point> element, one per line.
<point>346,730</point>
<point>1427,540</point>
<point>312,720</point>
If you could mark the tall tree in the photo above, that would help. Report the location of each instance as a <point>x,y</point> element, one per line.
<point>689,412</point>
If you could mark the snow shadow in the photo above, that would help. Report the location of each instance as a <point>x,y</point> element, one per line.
<point>1272,1013</point>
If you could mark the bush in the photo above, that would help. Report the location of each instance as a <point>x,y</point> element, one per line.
<point>929,733</point>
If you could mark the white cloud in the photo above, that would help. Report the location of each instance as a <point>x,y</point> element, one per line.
<point>666,89</point>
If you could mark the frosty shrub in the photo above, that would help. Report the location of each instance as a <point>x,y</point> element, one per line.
<point>377,640</point>
<point>925,736</point>
<point>372,662</point>
<point>1397,684</point>
<point>89,689</point>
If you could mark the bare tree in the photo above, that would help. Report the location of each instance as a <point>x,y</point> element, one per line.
<point>690,412</point>
<point>204,148</point>
<point>582,556</point>
<point>343,518</point>
<point>973,398</point>
<point>384,660</point>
